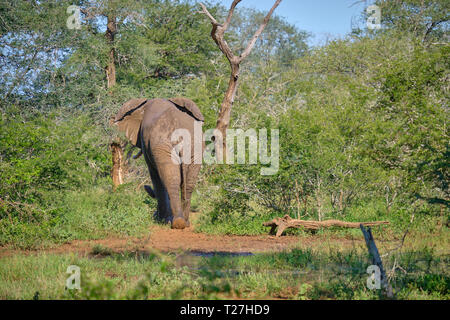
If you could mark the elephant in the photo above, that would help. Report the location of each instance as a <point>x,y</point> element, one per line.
<point>149,125</point>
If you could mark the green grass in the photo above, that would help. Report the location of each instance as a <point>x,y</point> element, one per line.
<point>92,213</point>
<point>220,220</point>
<point>297,274</point>
<point>324,271</point>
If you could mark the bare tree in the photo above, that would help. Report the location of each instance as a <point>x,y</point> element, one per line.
<point>107,10</point>
<point>217,33</point>
<point>110,69</point>
<point>118,164</point>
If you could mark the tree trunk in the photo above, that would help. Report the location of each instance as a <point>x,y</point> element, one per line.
<point>110,69</point>
<point>217,33</point>
<point>318,197</point>
<point>225,110</point>
<point>118,166</point>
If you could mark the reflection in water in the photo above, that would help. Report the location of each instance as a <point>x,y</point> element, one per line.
<point>193,259</point>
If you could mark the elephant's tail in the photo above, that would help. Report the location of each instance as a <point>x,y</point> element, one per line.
<point>150,191</point>
<point>183,177</point>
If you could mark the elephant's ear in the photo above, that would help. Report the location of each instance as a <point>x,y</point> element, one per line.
<point>188,106</point>
<point>129,118</point>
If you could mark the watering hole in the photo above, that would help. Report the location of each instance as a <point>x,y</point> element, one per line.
<point>192,259</point>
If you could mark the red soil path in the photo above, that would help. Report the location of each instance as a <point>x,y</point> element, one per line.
<point>167,240</point>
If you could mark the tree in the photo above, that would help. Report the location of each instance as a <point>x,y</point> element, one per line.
<point>33,38</point>
<point>426,19</point>
<point>144,46</point>
<point>217,33</point>
<point>280,41</point>
<point>111,11</point>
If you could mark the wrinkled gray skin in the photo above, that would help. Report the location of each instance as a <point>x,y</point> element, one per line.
<point>149,125</point>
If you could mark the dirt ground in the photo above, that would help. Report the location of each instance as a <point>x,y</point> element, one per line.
<point>169,240</point>
<point>165,239</point>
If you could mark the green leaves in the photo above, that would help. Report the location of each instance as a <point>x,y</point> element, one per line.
<point>362,132</point>
<point>48,153</point>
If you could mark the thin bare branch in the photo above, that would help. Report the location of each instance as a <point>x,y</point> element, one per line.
<point>209,15</point>
<point>230,14</point>
<point>258,32</point>
<point>217,33</point>
<point>91,13</point>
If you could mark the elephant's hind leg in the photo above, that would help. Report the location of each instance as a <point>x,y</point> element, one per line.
<point>171,178</point>
<point>162,213</point>
<point>190,173</point>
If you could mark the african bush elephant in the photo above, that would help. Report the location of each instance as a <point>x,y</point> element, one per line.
<point>149,125</point>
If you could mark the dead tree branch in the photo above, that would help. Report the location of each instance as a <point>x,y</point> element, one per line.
<point>258,32</point>
<point>287,222</point>
<point>217,33</point>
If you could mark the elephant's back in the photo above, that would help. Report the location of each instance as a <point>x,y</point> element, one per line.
<point>154,109</point>
<point>162,118</point>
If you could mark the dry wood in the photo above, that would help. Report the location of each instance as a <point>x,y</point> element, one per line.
<point>110,69</point>
<point>376,260</point>
<point>287,222</point>
<point>217,33</point>
<point>91,13</point>
<point>118,168</point>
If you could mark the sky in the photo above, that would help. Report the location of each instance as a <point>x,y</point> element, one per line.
<point>322,18</point>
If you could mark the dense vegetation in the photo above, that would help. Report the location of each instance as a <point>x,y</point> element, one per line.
<point>303,273</point>
<point>362,119</point>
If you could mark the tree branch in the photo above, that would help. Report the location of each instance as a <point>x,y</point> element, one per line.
<point>230,14</point>
<point>91,13</point>
<point>209,15</point>
<point>287,222</point>
<point>258,32</point>
<point>217,33</point>
<point>376,259</point>
<point>431,27</point>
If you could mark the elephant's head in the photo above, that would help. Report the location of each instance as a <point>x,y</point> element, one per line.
<point>130,115</point>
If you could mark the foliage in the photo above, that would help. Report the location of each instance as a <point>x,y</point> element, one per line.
<point>427,20</point>
<point>48,172</point>
<point>49,153</point>
<point>302,273</point>
<point>363,136</point>
<point>280,40</point>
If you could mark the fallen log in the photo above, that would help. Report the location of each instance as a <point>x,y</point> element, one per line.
<point>287,222</point>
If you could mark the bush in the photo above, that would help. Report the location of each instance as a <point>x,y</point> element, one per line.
<point>362,135</point>
<point>50,166</point>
